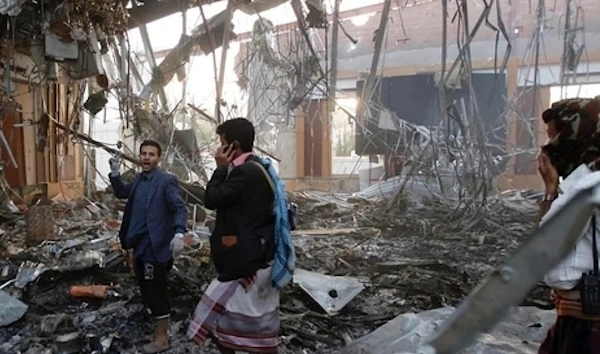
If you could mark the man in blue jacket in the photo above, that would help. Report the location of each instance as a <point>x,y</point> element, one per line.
<point>153,225</point>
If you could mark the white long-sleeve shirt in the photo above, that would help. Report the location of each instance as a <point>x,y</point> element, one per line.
<point>567,274</point>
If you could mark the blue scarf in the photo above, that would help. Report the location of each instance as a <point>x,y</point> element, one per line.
<point>284,262</point>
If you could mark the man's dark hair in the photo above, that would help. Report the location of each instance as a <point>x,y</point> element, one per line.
<point>151,143</point>
<point>240,129</point>
<point>550,115</point>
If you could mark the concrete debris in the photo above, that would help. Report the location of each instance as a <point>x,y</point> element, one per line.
<point>426,225</point>
<point>55,323</point>
<point>362,264</point>
<point>11,309</point>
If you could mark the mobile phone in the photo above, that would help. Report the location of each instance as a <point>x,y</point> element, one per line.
<point>235,144</point>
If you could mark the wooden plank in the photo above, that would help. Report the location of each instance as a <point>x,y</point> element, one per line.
<point>313,184</point>
<point>71,189</point>
<point>65,150</point>
<point>41,162</point>
<point>313,148</point>
<point>45,107</point>
<point>51,159</point>
<point>26,100</point>
<point>324,232</point>
<point>31,194</point>
<point>300,142</point>
<point>370,81</point>
<point>40,155</point>
<point>11,115</point>
<point>77,148</point>
<point>63,114</point>
<point>326,146</point>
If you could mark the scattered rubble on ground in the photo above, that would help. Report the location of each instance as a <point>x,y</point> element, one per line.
<point>75,289</point>
<point>520,333</point>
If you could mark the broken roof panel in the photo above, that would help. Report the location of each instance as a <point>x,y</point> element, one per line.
<point>520,333</point>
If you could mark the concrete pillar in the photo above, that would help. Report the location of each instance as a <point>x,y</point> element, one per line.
<point>286,151</point>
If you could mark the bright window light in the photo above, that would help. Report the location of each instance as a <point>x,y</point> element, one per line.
<point>360,20</point>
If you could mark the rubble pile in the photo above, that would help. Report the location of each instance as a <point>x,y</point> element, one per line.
<point>360,264</point>
<point>414,258</point>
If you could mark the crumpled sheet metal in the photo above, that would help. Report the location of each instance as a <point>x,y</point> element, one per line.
<point>11,309</point>
<point>83,260</point>
<point>330,292</point>
<point>30,271</point>
<point>520,333</point>
<point>11,8</point>
<point>100,243</point>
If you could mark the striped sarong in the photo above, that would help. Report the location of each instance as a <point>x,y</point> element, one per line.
<point>574,332</point>
<point>239,315</point>
<point>570,306</point>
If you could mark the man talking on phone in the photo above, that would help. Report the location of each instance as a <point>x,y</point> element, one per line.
<point>240,309</point>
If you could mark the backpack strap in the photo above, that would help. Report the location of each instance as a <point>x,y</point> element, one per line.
<point>264,170</point>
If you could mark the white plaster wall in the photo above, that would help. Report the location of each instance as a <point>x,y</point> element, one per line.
<point>286,151</point>
<point>550,74</point>
<point>557,93</point>
<point>350,165</point>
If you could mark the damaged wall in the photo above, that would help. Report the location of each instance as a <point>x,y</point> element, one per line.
<point>413,46</point>
<point>415,33</point>
<point>46,156</point>
<point>268,85</point>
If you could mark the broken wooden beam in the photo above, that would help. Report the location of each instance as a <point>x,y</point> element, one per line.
<point>224,50</point>
<point>196,192</point>
<point>93,142</point>
<point>334,59</point>
<point>153,67</point>
<point>183,50</point>
<point>367,90</point>
<point>324,232</point>
<point>297,7</point>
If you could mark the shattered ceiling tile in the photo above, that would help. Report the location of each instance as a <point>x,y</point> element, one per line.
<point>60,50</point>
<point>330,292</point>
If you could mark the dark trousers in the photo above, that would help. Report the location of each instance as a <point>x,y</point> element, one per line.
<point>571,335</point>
<point>152,279</point>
